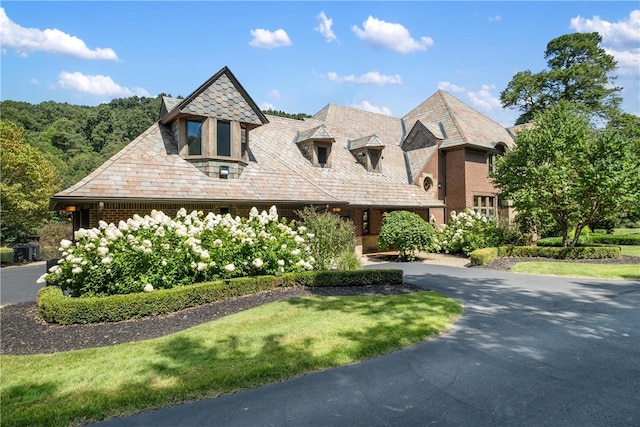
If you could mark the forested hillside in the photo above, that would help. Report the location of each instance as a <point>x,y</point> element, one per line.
<point>77,139</point>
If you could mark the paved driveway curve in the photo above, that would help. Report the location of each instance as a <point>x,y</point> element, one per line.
<point>528,351</point>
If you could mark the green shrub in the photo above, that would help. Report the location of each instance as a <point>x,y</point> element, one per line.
<point>348,260</point>
<point>557,241</point>
<point>6,255</point>
<point>53,233</point>
<point>406,232</point>
<point>55,307</point>
<point>332,236</point>
<point>579,252</point>
<point>467,231</point>
<point>617,239</point>
<point>483,256</point>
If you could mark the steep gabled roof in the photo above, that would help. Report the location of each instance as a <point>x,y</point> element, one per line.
<point>223,97</point>
<point>459,123</point>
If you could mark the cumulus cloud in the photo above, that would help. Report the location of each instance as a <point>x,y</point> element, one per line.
<point>450,87</point>
<point>391,36</point>
<point>366,106</point>
<point>29,40</point>
<point>265,39</point>
<point>267,106</point>
<point>97,85</point>
<point>496,18</point>
<point>372,77</point>
<point>484,99</point>
<point>619,39</point>
<point>324,27</point>
<point>274,94</point>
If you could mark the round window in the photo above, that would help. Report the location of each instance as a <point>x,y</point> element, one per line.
<point>427,184</point>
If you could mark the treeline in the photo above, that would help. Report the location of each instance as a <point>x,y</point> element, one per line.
<point>280,113</point>
<point>77,139</point>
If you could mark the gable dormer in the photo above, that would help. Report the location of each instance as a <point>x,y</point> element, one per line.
<point>211,126</point>
<point>423,135</point>
<point>368,152</point>
<point>315,145</point>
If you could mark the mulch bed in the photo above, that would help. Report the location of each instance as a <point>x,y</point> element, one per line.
<point>24,332</point>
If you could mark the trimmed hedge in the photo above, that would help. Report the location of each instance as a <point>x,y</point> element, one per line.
<point>608,239</point>
<point>55,307</point>
<point>6,255</point>
<point>483,256</point>
<point>617,239</point>
<point>486,255</point>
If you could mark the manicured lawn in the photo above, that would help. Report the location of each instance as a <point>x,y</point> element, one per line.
<point>630,250</point>
<point>263,345</point>
<point>626,231</point>
<point>603,271</point>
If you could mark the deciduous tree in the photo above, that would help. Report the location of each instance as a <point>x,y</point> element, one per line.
<point>566,168</point>
<point>26,184</point>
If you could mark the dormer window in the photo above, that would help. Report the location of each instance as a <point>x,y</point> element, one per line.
<point>194,137</point>
<point>315,146</point>
<point>368,152</point>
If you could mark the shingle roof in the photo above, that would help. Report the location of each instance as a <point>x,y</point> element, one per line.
<point>150,168</point>
<point>462,124</point>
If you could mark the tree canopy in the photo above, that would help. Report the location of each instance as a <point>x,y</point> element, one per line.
<point>566,169</point>
<point>26,183</point>
<point>579,71</point>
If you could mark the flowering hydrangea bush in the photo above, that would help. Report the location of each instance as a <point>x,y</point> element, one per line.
<point>159,252</point>
<point>467,231</point>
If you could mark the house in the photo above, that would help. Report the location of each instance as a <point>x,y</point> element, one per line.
<point>216,151</point>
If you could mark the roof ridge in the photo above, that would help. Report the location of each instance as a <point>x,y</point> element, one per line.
<point>453,117</point>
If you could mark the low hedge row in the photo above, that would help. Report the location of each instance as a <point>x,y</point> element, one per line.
<point>617,239</point>
<point>484,256</point>
<point>55,307</point>
<point>607,239</point>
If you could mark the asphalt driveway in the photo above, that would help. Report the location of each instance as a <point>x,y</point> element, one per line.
<point>18,283</point>
<point>528,351</point>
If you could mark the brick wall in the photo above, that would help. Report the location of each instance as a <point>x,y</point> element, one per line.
<point>477,176</point>
<point>455,181</point>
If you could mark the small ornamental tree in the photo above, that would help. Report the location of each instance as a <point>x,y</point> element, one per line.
<point>407,233</point>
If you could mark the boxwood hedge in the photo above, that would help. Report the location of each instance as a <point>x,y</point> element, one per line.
<point>486,255</point>
<point>55,307</point>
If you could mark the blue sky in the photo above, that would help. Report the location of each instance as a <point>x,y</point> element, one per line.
<point>379,56</point>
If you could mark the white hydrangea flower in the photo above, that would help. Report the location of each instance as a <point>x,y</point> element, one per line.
<point>230,267</point>
<point>148,287</point>
<point>64,243</point>
<point>281,262</point>
<point>258,262</point>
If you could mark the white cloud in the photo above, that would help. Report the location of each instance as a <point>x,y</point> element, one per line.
<point>324,27</point>
<point>97,85</point>
<point>267,106</point>
<point>372,77</point>
<point>274,94</point>
<point>366,106</point>
<point>620,39</point>
<point>265,39</point>
<point>484,100</point>
<point>450,87</point>
<point>391,36</point>
<point>496,18</point>
<point>28,40</point>
<point>34,81</point>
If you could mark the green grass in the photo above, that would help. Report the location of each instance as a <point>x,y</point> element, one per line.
<point>601,271</point>
<point>263,345</point>
<point>630,250</point>
<point>626,231</point>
